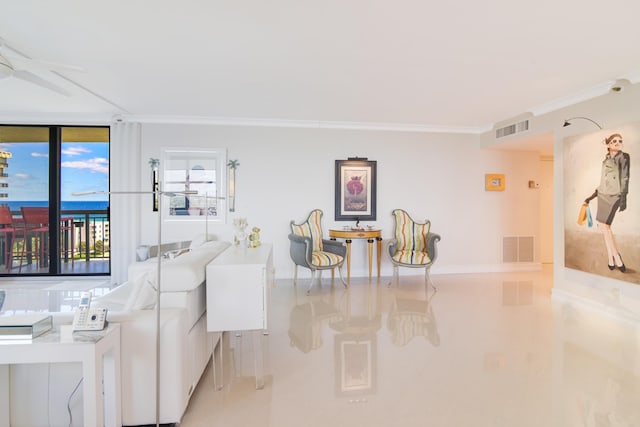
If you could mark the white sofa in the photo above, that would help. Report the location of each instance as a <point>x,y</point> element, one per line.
<point>185,346</point>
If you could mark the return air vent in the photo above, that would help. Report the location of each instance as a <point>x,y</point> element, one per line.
<point>517,249</point>
<point>512,129</point>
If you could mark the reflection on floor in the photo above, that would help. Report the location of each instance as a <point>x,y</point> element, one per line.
<point>484,350</point>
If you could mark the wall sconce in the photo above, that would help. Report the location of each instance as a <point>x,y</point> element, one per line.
<point>567,122</point>
<point>155,170</point>
<point>232,165</point>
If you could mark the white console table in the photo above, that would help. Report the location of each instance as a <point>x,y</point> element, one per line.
<point>99,353</point>
<point>238,291</point>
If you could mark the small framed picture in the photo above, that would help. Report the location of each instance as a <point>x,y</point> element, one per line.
<point>355,195</point>
<point>494,182</point>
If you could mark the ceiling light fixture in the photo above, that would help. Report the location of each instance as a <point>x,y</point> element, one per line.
<point>567,122</point>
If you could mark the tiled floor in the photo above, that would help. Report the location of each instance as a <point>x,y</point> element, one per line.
<point>484,350</point>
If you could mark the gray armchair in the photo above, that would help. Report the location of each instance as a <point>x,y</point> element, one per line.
<point>413,245</point>
<point>309,250</point>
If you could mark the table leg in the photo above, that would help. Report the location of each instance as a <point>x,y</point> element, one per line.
<point>217,371</point>
<point>379,249</point>
<point>258,359</point>
<point>333,270</point>
<point>92,392</point>
<point>370,253</point>
<point>348,242</point>
<point>112,407</point>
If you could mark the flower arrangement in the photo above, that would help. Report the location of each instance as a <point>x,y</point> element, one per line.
<point>240,223</point>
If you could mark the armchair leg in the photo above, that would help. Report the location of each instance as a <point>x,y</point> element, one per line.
<point>427,279</point>
<point>395,277</point>
<point>341,277</point>
<point>313,279</point>
<point>295,274</point>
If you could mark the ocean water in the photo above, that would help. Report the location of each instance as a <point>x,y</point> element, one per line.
<point>75,205</point>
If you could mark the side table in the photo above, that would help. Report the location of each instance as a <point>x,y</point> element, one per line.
<point>369,234</point>
<point>99,353</point>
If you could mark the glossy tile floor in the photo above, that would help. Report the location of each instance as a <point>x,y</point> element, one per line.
<point>484,350</point>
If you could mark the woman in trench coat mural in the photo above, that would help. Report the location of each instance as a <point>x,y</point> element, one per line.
<point>612,195</point>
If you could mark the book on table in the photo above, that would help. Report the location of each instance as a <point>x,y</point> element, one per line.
<point>24,326</point>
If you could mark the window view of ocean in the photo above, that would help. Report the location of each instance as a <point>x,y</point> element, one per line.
<point>75,205</point>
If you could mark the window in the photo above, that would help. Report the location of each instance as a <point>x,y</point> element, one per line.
<point>40,169</point>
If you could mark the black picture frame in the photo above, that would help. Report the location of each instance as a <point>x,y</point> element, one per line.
<point>355,189</point>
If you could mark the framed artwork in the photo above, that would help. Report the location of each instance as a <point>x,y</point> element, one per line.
<point>494,182</point>
<point>355,198</point>
<point>356,364</point>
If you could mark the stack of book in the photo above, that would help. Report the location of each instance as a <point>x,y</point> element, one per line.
<point>24,326</point>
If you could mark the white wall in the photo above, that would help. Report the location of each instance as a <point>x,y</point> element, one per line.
<point>546,210</point>
<point>611,111</point>
<point>284,173</point>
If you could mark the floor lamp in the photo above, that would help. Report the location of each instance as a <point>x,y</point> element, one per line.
<point>159,195</point>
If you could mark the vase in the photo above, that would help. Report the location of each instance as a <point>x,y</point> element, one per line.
<point>240,238</point>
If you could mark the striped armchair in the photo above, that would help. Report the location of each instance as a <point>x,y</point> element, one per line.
<point>413,244</point>
<point>309,250</point>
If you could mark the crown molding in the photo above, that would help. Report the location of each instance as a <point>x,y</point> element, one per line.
<point>599,89</point>
<point>305,124</point>
<point>47,119</point>
<point>567,101</point>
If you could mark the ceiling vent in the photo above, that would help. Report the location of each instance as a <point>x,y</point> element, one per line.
<point>512,129</point>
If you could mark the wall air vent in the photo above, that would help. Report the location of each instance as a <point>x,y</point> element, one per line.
<point>512,129</point>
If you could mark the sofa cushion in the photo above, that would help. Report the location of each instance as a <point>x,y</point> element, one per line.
<point>184,272</point>
<point>200,240</point>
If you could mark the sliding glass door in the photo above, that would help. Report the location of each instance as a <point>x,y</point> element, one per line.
<point>48,230</point>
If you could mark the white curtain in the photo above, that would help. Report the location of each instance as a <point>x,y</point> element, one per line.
<point>125,175</point>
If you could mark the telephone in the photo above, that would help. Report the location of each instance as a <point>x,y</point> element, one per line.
<point>87,318</point>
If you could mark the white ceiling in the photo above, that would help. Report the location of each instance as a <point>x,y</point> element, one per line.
<point>411,64</point>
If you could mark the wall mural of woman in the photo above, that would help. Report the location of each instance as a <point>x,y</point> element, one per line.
<point>609,248</point>
<point>612,195</point>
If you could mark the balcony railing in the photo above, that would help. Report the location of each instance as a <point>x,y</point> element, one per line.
<point>84,236</point>
<point>87,236</point>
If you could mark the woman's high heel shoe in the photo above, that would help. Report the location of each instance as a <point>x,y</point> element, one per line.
<point>612,265</point>
<point>621,267</point>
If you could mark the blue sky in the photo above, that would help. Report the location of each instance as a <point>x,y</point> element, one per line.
<point>85,167</point>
